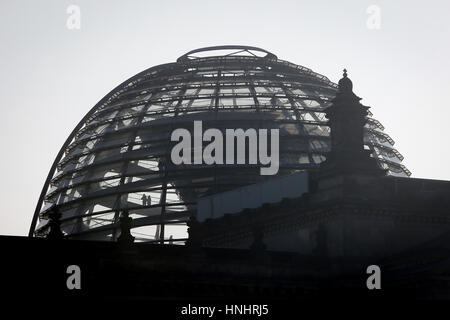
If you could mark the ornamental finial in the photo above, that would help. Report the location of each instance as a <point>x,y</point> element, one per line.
<point>345,84</point>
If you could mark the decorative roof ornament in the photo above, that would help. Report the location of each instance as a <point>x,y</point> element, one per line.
<point>125,227</point>
<point>346,119</point>
<point>345,84</point>
<point>55,232</point>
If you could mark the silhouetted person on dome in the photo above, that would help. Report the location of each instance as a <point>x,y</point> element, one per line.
<point>144,200</point>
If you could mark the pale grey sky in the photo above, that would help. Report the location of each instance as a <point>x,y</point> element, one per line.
<point>51,76</point>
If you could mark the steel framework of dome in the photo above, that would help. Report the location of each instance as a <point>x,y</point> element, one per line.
<point>120,150</point>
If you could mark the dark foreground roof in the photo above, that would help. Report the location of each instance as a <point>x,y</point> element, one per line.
<point>36,269</point>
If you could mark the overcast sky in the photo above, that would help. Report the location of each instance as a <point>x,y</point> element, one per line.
<point>51,76</point>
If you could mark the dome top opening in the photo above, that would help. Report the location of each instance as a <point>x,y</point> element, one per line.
<point>226,51</point>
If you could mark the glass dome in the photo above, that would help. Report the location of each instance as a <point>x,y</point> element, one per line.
<point>118,156</point>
